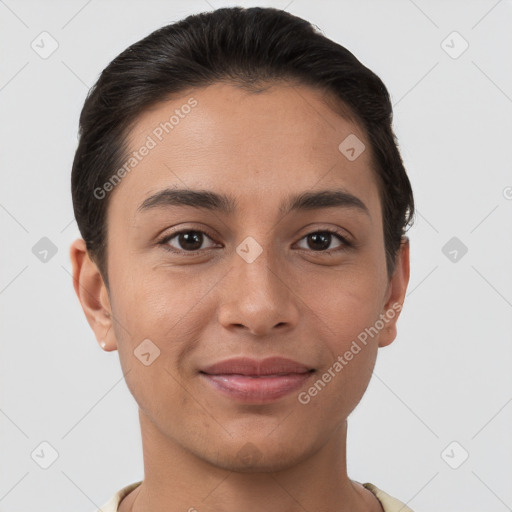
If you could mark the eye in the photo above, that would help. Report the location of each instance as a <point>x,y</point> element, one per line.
<point>319,241</point>
<point>191,241</point>
<point>188,240</point>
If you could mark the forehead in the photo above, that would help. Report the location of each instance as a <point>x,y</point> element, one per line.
<point>256,146</point>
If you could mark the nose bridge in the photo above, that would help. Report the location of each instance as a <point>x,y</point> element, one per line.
<point>255,267</point>
<point>256,296</point>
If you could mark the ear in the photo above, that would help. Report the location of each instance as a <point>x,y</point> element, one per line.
<point>92,294</point>
<point>395,294</point>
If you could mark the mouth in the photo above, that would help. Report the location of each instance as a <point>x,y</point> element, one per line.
<point>253,381</point>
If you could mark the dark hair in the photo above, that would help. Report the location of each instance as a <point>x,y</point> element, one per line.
<point>248,48</point>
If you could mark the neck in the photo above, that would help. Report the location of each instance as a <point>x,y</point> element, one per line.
<point>175,480</point>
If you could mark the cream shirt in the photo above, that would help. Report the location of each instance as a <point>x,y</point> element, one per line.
<point>389,504</point>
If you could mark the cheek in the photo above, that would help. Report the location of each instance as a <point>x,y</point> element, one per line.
<point>159,302</point>
<point>153,333</point>
<point>159,319</point>
<point>348,356</point>
<point>347,309</point>
<point>347,303</point>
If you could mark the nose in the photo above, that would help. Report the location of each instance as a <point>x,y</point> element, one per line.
<point>258,297</point>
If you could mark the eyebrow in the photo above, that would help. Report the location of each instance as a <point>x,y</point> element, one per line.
<point>227,204</point>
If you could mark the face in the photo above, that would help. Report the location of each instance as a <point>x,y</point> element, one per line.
<point>257,275</point>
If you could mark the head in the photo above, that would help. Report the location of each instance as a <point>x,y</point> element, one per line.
<point>240,192</point>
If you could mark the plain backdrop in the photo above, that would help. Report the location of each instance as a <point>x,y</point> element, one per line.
<point>434,426</point>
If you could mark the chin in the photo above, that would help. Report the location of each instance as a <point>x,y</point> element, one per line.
<point>259,454</point>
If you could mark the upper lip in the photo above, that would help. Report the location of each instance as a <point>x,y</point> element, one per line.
<point>254,367</point>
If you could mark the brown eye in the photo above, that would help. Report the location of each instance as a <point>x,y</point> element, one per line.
<point>319,241</point>
<point>187,240</point>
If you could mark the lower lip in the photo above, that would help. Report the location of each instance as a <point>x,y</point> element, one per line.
<point>257,389</point>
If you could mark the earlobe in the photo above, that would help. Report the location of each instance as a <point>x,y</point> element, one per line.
<point>395,294</point>
<point>92,294</point>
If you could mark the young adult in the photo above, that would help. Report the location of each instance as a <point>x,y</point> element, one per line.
<point>242,204</point>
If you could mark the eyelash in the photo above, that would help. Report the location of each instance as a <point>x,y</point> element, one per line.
<point>164,241</point>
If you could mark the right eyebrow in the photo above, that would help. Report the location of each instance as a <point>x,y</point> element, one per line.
<point>187,197</point>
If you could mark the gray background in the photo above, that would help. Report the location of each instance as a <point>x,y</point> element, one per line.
<point>445,378</point>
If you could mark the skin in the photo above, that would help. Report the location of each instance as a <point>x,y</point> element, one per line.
<point>292,301</point>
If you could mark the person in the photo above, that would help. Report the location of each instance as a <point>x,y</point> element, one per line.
<point>243,206</point>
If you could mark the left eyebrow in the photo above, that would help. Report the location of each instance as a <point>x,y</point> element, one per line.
<point>324,199</point>
<point>227,204</point>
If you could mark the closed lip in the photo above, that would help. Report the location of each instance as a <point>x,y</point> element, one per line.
<point>254,367</point>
